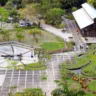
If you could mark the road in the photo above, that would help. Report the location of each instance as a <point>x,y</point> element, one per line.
<point>71,28</point>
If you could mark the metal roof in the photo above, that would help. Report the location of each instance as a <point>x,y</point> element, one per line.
<point>82,18</point>
<point>90,10</point>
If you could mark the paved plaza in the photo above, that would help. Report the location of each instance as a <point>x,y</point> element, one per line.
<point>32,79</point>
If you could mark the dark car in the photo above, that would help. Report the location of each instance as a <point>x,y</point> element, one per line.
<point>28,24</point>
<point>8,21</point>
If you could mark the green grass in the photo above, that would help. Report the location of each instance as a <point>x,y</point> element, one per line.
<point>69,45</point>
<point>29,39</point>
<point>92,85</point>
<point>52,46</point>
<point>79,62</point>
<point>72,83</point>
<point>30,92</point>
<point>33,66</point>
<point>89,94</point>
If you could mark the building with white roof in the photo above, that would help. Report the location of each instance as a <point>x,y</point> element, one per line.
<point>86,20</point>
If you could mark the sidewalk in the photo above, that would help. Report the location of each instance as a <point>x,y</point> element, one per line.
<point>55,31</point>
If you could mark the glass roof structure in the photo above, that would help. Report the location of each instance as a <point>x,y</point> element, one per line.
<point>16,51</point>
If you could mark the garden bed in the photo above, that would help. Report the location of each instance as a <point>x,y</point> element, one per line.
<point>33,66</point>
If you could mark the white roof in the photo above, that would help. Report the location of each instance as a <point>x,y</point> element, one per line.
<point>82,18</point>
<point>90,10</point>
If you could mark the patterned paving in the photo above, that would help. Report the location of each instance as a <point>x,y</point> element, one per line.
<point>32,79</point>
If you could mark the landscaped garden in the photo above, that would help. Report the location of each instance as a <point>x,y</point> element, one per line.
<point>29,92</point>
<point>85,59</point>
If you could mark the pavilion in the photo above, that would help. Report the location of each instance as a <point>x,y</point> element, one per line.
<point>86,20</point>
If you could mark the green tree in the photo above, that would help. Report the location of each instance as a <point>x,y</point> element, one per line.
<point>64,91</point>
<point>19,34</point>
<point>13,13</point>
<point>5,34</point>
<point>35,32</point>
<point>68,4</point>
<point>92,2</point>
<point>74,9</point>
<point>3,2</point>
<point>53,16</point>
<point>9,5</point>
<point>48,4</point>
<point>3,14</point>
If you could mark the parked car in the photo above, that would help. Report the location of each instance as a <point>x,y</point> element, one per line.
<point>8,21</point>
<point>22,24</point>
<point>28,24</point>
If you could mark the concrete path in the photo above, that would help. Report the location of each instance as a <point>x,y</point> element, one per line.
<point>55,31</point>
<point>71,28</point>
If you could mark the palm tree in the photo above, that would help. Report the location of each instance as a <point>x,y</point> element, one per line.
<point>5,34</point>
<point>19,36</point>
<point>64,91</point>
<point>35,32</point>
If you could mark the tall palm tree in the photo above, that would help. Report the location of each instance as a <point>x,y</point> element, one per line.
<point>34,32</point>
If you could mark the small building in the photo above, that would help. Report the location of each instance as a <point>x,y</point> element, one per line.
<point>86,20</point>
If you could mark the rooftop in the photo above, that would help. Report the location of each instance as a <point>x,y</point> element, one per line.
<point>85,16</point>
<point>82,18</point>
<point>91,11</point>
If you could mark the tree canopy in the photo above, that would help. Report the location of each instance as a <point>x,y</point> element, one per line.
<point>3,2</point>
<point>53,16</point>
<point>92,2</point>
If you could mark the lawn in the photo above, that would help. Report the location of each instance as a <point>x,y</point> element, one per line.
<point>29,39</point>
<point>79,62</point>
<point>92,85</point>
<point>33,66</point>
<point>52,46</point>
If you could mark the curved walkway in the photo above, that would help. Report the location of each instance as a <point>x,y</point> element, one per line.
<point>55,31</point>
